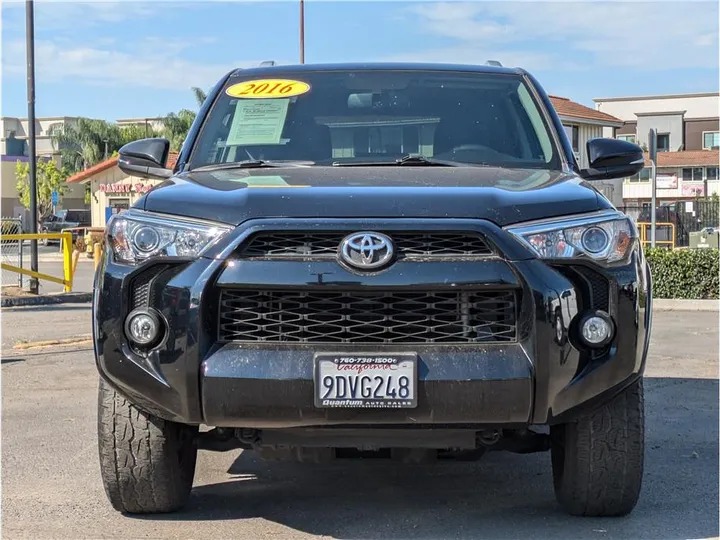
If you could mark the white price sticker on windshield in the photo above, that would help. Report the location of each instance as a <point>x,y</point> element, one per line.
<point>258,121</point>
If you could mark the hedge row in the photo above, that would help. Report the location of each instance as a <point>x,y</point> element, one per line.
<point>684,273</point>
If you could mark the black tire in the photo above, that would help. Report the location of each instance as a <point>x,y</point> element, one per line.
<point>147,464</point>
<point>598,460</point>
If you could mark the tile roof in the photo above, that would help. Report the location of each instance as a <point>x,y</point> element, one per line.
<point>687,158</point>
<point>565,107</point>
<point>108,163</point>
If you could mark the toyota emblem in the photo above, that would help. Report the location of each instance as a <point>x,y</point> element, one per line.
<point>366,250</point>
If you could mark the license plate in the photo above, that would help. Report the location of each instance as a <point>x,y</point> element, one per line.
<point>366,381</point>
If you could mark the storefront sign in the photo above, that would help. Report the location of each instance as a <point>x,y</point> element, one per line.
<point>125,188</point>
<point>667,181</point>
<point>689,190</point>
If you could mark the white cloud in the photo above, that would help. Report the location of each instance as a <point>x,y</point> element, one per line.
<point>67,17</point>
<point>646,36</point>
<point>152,63</point>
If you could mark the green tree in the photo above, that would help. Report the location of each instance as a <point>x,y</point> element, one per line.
<point>49,179</point>
<point>200,95</point>
<point>176,125</point>
<point>86,142</point>
<point>131,133</point>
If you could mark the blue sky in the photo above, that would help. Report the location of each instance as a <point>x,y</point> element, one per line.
<point>139,59</point>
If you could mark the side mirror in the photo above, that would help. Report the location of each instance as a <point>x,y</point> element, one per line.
<point>145,158</point>
<point>612,158</point>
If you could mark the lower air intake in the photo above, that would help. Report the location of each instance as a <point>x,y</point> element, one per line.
<point>367,317</point>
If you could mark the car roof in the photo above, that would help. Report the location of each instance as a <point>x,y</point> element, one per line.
<point>387,66</point>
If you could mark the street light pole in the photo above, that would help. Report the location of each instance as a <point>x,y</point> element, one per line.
<point>652,142</point>
<point>302,31</point>
<point>30,38</point>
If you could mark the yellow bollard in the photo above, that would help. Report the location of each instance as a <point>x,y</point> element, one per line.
<point>66,243</point>
<point>75,258</point>
<point>97,250</point>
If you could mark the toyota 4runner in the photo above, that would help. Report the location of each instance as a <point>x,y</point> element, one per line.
<point>405,259</point>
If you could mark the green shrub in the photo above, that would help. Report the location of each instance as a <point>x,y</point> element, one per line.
<point>684,273</point>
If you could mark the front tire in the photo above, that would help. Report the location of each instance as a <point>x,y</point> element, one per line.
<point>147,463</point>
<point>598,460</point>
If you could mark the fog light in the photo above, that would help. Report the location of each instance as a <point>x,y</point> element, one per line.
<point>142,327</point>
<point>596,329</point>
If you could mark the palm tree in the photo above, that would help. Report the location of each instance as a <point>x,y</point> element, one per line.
<point>87,142</point>
<point>82,143</point>
<point>200,95</point>
<point>176,125</point>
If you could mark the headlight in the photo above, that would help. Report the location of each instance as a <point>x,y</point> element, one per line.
<point>606,237</point>
<point>135,236</point>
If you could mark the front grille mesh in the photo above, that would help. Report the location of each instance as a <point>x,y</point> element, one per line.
<point>598,288</point>
<point>293,244</point>
<point>367,317</point>
<point>140,286</point>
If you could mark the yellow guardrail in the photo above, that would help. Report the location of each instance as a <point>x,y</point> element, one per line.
<point>645,228</point>
<point>69,262</point>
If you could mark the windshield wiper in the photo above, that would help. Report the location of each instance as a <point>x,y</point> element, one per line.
<point>251,164</point>
<point>408,161</point>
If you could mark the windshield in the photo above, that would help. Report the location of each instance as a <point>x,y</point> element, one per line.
<point>379,116</point>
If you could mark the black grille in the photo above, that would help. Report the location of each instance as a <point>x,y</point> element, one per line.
<point>367,317</point>
<point>140,287</point>
<point>598,287</point>
<point>318,245</point>
<point>593,287</point>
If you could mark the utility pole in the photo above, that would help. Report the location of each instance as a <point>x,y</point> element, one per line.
<point>30,40</point>
<point>652,143</point>
<point>302,31</point>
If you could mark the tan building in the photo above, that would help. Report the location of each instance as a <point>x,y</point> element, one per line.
<point>688,143</point>
<point>113,191</point>
<point>14,148</point>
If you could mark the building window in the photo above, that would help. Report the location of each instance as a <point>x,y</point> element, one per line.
<point>713,173</point>
<point>573,135</point>
<point>643,176</point>
<point>692,175</point>
<point>711,140</point>
<point>628,138</point>
<point>663,142</point>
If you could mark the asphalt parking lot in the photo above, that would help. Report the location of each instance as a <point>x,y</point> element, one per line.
<point>51,480</point>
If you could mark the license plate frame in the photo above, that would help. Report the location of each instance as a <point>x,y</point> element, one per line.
<point>406,365</point>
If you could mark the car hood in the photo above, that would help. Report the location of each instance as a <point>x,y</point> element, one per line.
<point>503,196</point>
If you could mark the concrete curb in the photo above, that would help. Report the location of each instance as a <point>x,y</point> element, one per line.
<point>46,299</point>
<point>672,304</point>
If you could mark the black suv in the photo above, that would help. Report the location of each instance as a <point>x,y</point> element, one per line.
<point>404,260</point>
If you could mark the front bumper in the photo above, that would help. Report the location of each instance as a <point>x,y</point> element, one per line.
<point>541,377</point>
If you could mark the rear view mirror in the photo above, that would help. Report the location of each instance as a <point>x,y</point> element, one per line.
<point>146,158</point>
<point>612,158</point>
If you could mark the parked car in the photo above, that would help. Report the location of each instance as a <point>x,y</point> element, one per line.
<point>396,258</point>
<point>65,219</point>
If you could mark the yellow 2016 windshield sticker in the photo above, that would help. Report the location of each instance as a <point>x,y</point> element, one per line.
<point>268,88</point>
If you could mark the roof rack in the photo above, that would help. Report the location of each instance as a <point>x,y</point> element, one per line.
<point>267,63</point>
<point>493,63</point>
